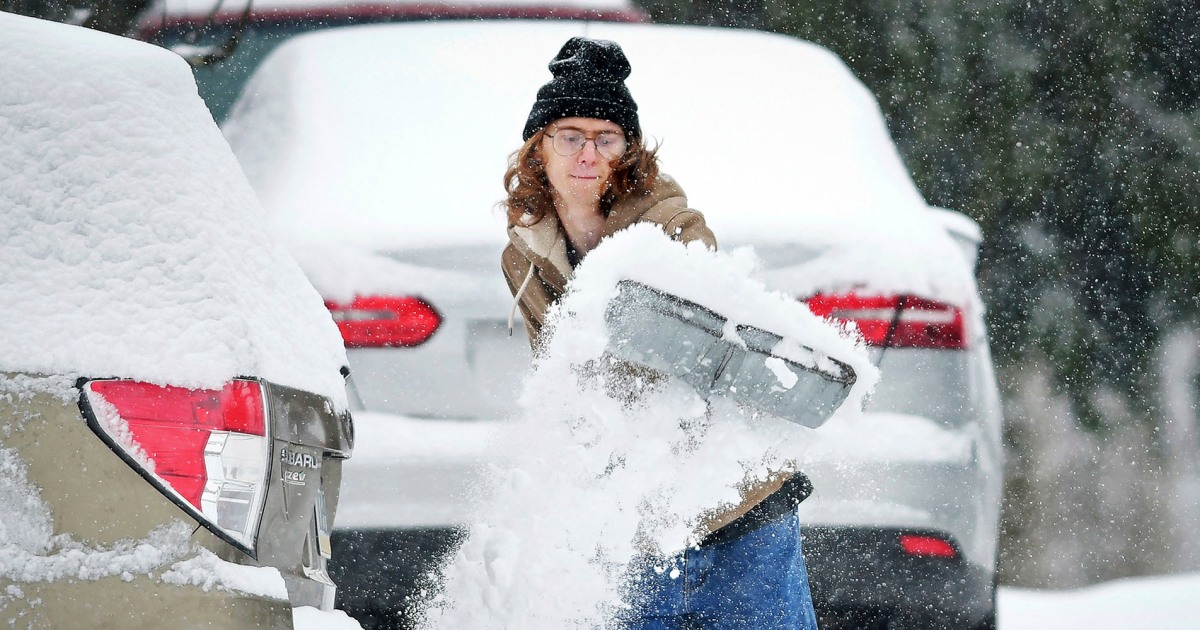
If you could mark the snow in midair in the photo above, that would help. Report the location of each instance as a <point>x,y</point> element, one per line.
<point>597,475</point>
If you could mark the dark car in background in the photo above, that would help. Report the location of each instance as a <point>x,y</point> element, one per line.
<point>227,40</point>
<point>377,152</point>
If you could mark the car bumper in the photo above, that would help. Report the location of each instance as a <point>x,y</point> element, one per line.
<point>861,577</point>
<point>383,575</point>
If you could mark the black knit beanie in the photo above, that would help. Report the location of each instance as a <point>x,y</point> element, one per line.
<point>589,82</point>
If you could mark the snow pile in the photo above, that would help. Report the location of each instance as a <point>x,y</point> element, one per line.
<point>22,387</point>
<point>309,618</point>
<point>208,571</point>
<point>132,245</point>
<point>1164,601</point>
<point>602,474</point>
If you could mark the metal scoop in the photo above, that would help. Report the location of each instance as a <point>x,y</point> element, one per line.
<point>690,342</point>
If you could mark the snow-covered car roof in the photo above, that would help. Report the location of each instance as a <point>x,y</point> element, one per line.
<point>203,8</point>
<point>396,136</point>
<point>132,245</point>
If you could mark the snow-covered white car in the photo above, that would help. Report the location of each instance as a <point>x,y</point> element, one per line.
<point>173,415</point>
<point>378,152</point>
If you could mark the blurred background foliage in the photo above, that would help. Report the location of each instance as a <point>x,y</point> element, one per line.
<point>1067,128</point>
<point>110,16</point>
<point>1070,130</point>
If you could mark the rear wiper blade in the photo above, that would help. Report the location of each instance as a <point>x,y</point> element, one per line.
<point>892,326</point>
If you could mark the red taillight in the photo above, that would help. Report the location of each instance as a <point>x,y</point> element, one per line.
<point>207,449</point>
<point>927,546</point>
<point>385,322</point>
<point>913,322</point>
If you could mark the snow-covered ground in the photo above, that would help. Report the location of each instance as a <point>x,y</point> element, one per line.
<point>1157,601</point>
<point>308,618</point>
<point>1167,601</point>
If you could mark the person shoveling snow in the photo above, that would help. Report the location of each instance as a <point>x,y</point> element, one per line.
<point>649,488</point>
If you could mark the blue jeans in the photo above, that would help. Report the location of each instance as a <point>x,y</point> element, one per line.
<point>756,581</point>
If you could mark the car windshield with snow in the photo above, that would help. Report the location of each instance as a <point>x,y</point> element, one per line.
<point>378,153</point>
<point>171,392</point>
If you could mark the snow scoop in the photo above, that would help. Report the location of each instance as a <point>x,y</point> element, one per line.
<point>691,342</point>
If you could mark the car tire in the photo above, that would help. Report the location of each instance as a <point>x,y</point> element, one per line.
<point>989,620</point>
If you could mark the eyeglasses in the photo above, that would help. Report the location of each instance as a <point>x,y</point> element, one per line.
<point>569,141</point>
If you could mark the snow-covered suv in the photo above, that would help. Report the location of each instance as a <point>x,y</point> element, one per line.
<point>173,417</point>
<point>378,153</point>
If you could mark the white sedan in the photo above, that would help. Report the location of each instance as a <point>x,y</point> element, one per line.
<point>378,152</point>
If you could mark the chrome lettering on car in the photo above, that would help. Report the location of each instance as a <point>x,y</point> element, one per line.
<point>293,458</point>
<point>294,477</point>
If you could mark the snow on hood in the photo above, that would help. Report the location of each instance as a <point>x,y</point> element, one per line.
<point>609,477</point>
<point>393,137</point>
<point>132,244</point>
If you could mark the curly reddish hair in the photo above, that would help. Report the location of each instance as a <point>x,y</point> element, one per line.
<point>529,199</point>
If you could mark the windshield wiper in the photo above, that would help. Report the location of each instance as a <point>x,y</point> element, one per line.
<point>892,326</point>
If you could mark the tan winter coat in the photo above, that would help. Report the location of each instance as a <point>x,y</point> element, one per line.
<point>541,250</point>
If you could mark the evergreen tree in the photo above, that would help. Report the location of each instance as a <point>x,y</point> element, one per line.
<point>1070,130</point>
